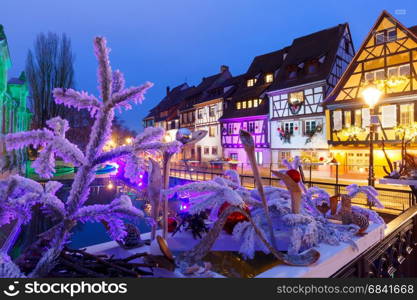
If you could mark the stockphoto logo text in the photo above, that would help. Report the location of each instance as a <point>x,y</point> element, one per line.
<point>71,288</point>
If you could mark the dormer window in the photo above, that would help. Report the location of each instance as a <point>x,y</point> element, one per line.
<point>379,38</point>
<point>269,78</point>
<point>292,74</point>
<point>292,71</point>
<point>391,35</point>
<point>388,35</point>
<point>312,67</point>
<point>346,41</point>
<point>251,82</point>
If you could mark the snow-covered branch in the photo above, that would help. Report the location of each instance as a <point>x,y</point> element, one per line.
<point>104,73</point>
<point>78,100</point>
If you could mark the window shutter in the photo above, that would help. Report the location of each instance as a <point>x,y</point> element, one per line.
<point>366,118</point>
<point>337,120</point>
<point>389,116</point>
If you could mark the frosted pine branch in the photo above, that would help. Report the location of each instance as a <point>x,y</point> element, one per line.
<point>104,73</point>
<point>121,99</point>
<point>370,192</point>
<point>118,81</point>
<point>78,100</point>
<point>44,164</point>
<point>36,138</point>
<point>134,166</point>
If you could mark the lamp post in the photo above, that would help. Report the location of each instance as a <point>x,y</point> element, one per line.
<point>371,96</point>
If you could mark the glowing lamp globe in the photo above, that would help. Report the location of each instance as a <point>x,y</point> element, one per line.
<point>371,96</point>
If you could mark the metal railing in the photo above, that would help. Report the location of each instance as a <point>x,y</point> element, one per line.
<point>395,200</point>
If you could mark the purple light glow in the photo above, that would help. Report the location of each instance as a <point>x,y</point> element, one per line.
<point>119,174</point>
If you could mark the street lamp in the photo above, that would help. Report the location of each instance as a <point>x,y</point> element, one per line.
<point>371,96</point>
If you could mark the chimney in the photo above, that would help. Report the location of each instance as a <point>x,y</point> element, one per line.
<point>224,68</point>
<point>167,90</point>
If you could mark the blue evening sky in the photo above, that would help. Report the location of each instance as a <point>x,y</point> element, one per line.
<point>172,41</point>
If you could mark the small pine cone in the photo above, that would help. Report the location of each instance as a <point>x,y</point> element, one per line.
<point>360,220</point>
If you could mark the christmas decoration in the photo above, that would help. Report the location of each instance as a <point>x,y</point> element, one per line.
<point>294,175</point>
<point>232,219</point>
<point>18,194</point>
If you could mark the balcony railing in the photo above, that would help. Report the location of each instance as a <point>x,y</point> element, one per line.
<point>332,178</point>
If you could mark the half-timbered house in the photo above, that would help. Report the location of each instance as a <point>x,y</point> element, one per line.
<point>387,60</point>
<point>187,109</point>
<point>208,110</point>
<point>165,113</point>
<point>313,65</point>
<point>248,109</point>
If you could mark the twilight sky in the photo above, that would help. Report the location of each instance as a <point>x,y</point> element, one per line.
<point>172,41</point>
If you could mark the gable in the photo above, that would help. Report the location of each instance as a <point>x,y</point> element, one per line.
<point>387,59</point>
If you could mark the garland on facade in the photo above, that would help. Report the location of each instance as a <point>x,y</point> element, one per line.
<point>351,133</point>
<point>285,135</point>
<point>312,133</point>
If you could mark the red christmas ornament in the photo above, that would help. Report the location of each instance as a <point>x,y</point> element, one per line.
<point>294,174</point>
<point>296,127</point>
<point>233,219</point>
<point>172,224</point>
<point>321,158</point>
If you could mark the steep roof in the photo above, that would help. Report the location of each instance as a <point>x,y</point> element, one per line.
<point>171,99</point>
<point>353,64</point>
<point>321,44</point>
<point>260,66</point>
<point>199,93</point>
<point>413,29</point>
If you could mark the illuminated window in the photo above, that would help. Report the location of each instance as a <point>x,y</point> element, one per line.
<point>348,118</point>
<point>244,104</point>
<point>406,114</point>
<point>249,103</point>
<point>255,102</point>
<point>251,82</point>
<point>296,98</point>
<point>269,78</point>
<point>404,70</point>
<point>212,131</point>
<point>259,101</point>
<point>238,105</point>
<point>234,156</point>
<point>358,117</point>
<point>375,75</point>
